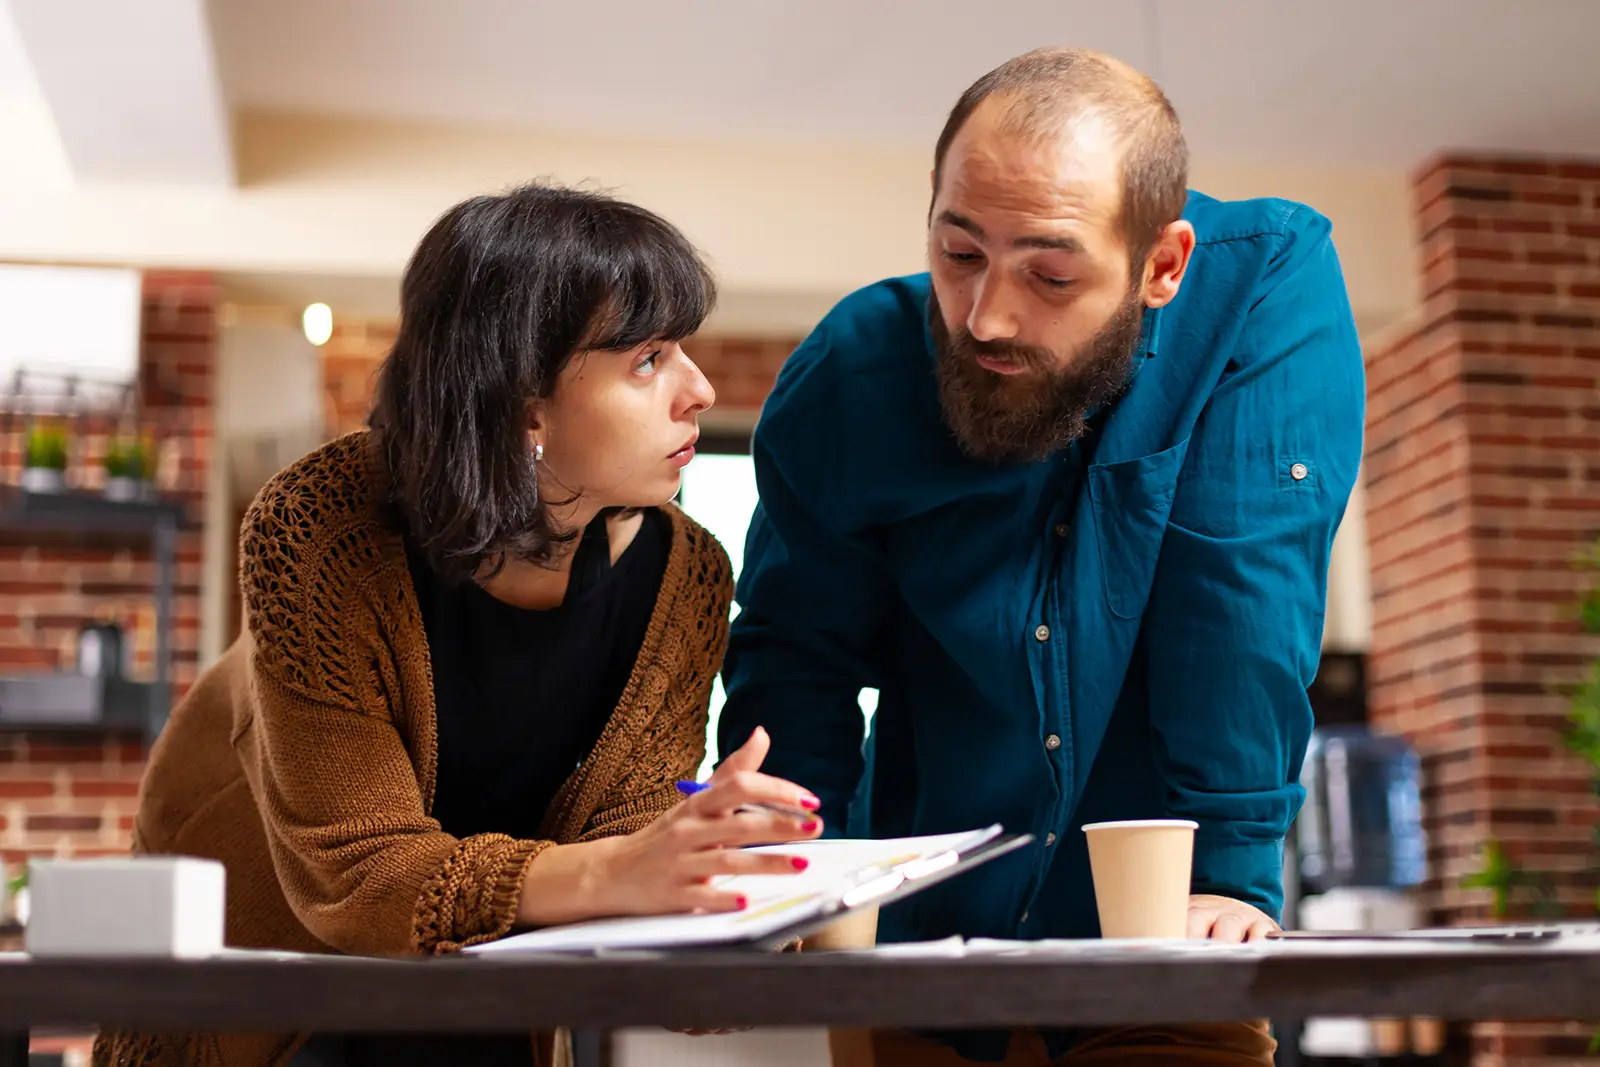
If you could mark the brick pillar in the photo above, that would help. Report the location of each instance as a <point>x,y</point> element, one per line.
<point>73,793</point>
<point>1483,484</point>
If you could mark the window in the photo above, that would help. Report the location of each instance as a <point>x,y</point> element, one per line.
<point>719,492</point>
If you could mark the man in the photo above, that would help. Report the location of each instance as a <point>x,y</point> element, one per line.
<point>1067,502</point>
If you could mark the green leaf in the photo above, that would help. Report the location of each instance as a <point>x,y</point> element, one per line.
<point>1499,875</point>
<point>46,447</point>
<point>128,458</point>
<point>1594,1044</point>
<point>1589,612</point>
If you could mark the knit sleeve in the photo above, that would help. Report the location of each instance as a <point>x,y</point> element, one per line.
<point>672,745</point>
<point>362,865</point>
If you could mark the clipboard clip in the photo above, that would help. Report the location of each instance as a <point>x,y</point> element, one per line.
<point>881,881</point>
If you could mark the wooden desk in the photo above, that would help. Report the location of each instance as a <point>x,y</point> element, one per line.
<point>1559,979</point>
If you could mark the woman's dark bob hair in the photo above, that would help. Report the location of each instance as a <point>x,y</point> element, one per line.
<point>498,297</point>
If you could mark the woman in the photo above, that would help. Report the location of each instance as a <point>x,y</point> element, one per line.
<point>480,645</point>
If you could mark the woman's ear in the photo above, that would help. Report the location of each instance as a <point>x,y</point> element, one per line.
<point>536,430</point>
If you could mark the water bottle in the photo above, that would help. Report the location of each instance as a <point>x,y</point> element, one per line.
<point>1362,821</point>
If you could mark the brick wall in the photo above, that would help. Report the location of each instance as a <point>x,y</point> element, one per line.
<point>349,360</point>
<point>73,794</point>
<point>1483,483</point>
<point>741,368</point>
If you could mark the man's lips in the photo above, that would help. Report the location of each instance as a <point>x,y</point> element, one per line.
<point>1000,366</point>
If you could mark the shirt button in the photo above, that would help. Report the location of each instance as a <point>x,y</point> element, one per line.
<point>1049,839</point>
<point>1042,633</point>
<point>1298,472</point>
<point>1052,742</point>
<point>1061,529</point>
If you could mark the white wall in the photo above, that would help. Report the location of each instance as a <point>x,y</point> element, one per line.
<point>348,197</point>
<point>268,410</point>
<point>1348,627</point>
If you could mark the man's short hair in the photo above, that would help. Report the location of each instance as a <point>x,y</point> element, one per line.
<point>1045,91</point>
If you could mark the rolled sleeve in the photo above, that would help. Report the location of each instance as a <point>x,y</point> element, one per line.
<point>1234,623</point>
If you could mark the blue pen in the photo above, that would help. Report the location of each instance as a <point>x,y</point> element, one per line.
<point>689,789</point>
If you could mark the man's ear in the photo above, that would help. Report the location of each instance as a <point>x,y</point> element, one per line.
<point>1167,263</point>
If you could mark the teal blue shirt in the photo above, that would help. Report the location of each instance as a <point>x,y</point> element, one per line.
<point>1127,634</point>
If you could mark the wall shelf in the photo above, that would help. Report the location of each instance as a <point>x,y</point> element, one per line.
<point>55,701</point>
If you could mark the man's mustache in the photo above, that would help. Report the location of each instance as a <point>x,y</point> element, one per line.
<point>1030,357</point>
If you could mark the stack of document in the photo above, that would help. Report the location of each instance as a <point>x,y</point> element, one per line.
<point>842,875</point>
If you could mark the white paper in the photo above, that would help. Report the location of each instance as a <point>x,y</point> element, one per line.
<point>949,948</point>
<point>1083,948</point>
<point>776,901</point>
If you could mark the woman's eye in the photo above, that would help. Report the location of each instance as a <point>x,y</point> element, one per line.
<point>648,363</point>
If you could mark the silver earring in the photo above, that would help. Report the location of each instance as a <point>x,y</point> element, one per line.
<point>538,453</point>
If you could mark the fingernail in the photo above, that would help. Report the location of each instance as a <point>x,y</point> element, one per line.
<point>810,803</point>
<point>799,863</point>
<point>809,825</point>
<point>741,903</point>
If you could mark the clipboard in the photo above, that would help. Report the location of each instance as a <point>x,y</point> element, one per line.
<point>778,917</point>
<point>888,885</point>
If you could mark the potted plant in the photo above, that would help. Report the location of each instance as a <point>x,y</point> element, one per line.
<point>44,468</point>
<point>16,890</point>
<point>128,470</point>
<point>1501,875</point>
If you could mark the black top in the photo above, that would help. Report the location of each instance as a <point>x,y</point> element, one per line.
<point>521,699</point>
<point>522,696</point>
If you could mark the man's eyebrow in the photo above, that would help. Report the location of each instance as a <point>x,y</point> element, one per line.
<point>960,222</point>
<point>1059,244</point>
<point>1056,244</point>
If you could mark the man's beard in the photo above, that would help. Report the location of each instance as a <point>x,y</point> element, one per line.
<point>1026,417</point>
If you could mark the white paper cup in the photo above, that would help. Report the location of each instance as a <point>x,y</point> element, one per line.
<point>1141,876</point>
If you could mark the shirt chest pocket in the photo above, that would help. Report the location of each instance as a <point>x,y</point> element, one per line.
<point>1130,501</point>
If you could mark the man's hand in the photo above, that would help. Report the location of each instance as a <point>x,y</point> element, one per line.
<point>1225,919</point>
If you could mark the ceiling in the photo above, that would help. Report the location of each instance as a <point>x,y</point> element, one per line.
<point>143,92</point>
<point>1379,82</point>
<point>134,132</point>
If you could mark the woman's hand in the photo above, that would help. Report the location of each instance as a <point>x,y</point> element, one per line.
<point>667,867</point>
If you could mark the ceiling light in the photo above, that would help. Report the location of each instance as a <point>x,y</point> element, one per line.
<point>318,323</point>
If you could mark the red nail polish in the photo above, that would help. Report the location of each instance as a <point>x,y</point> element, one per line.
<point>810,803</point>
<point>741,903</point>
<point>800,863</point>
<point>808,826</point>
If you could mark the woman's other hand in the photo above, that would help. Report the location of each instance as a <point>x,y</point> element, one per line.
<point>668,867</point>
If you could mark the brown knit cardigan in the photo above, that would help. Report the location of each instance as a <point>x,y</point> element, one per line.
<point>305,759</point>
